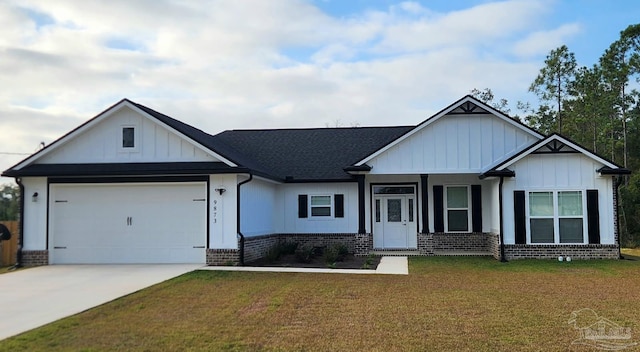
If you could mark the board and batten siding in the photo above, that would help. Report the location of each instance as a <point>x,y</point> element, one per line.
<point>287,220</point>
<point>223,233</point>
<point>560,172</point>
<point>35,213</point>
<point>454,144</point>
<point>257,207</point>
<point>103,143</point>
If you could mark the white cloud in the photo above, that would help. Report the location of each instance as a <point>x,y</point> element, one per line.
<point>223,64</point>
<point>542,42</point>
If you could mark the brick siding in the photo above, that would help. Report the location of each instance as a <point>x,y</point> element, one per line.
<point>460,242</point>
<point>257,247</point>
<point>493,245</point>
<point>582,251</point>
<point>223,256</point>
<point>35,258</point>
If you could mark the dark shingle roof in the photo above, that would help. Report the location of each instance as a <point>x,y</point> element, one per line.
<point>308,154</point>
<point>303,154</point>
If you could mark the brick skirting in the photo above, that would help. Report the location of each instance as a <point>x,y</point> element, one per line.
<point>257,247</point>
<point>35,258</point>
<point>428,244</point>
<point>582,251</point>
<point>493,244</point>
<point>223,256</point>
<point>460,242</point>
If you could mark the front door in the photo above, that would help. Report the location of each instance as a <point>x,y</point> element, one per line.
<point>394,218</point>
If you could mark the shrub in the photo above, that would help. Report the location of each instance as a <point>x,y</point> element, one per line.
<point>305,253</point>
<point>331,255</point>
<point>368,262</point>
<point>273,254</point>
<point>280,249</point>
<point>288,247</point>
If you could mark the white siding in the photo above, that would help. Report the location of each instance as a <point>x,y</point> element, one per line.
<point>454,144</point>
<point>223,231</point>
<point>257,207</point>
<point>560,172</point>
<point>102,143</point>
<point>35,213</point>
<point>286,215</point>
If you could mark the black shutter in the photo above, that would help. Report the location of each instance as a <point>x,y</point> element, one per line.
<point>302,206</point>
<point>476,208</point>
<point>520,217</point>
<point>338,199</point>
<point>593,216</point>
<point>438,209</point>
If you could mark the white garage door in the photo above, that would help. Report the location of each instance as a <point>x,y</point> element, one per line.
<point>128,223</point>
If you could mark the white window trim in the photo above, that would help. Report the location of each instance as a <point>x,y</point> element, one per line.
<point>557,217</point>
<point>136,139</point>
<point>331,207</point>
<point>446,209</point>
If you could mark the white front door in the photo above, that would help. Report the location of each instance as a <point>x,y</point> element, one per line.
<point>394,221</point>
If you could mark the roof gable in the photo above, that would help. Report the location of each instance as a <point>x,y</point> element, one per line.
<point>467,105</point>
<point>177,133</point>
<point>557,144</point>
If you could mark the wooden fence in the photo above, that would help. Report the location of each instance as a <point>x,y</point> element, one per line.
<point>8,249</point>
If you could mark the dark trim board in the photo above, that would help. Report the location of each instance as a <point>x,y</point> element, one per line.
<point>424,196</point>
<point>152,179</point>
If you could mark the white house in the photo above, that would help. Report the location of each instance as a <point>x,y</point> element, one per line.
<point>133,185</point>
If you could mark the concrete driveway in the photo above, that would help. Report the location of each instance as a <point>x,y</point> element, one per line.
<point>36,296</point>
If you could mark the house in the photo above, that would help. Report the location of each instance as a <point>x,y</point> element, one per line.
<point>133,185</point>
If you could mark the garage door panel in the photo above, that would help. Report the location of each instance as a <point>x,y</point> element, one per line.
<point>128,223</point>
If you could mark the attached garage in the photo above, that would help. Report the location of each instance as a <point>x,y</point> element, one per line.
<point>126,223</point>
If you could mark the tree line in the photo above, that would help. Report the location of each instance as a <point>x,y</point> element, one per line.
<point>597,107</point>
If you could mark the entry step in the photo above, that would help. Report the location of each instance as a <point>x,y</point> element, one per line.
<point>395,253</point>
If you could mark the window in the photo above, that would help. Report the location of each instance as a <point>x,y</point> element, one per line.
<point>320,206</point>
<point>128,137</point>
<point>541,217</point>
<point>570,217</point>
<point>556,217</point>
<point>457,203</point>
<point>394,190</point>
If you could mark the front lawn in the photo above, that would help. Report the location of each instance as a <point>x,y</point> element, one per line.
<point>445,304</point>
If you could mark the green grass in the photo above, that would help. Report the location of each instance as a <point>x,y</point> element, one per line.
<point>446,303</point>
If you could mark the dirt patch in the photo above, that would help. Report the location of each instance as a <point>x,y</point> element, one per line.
<point>349,261</point>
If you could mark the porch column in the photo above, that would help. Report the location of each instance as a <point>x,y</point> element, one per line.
<point>361,205</point>
<point>425,203</point>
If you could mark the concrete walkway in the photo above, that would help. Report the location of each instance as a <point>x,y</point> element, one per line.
<point>34,297</point>
<point>388,265</point>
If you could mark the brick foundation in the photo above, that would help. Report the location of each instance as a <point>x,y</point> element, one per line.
<point>35,258</point>
<point>493,244</point>
<point>583,251</point>
<point>425,244</point>
<point>460,242</point>
<point>223,256</point>
<point>364,244</point>
<point>257,247</point>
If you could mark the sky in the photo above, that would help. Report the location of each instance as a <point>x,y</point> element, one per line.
<point>240,64</point>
